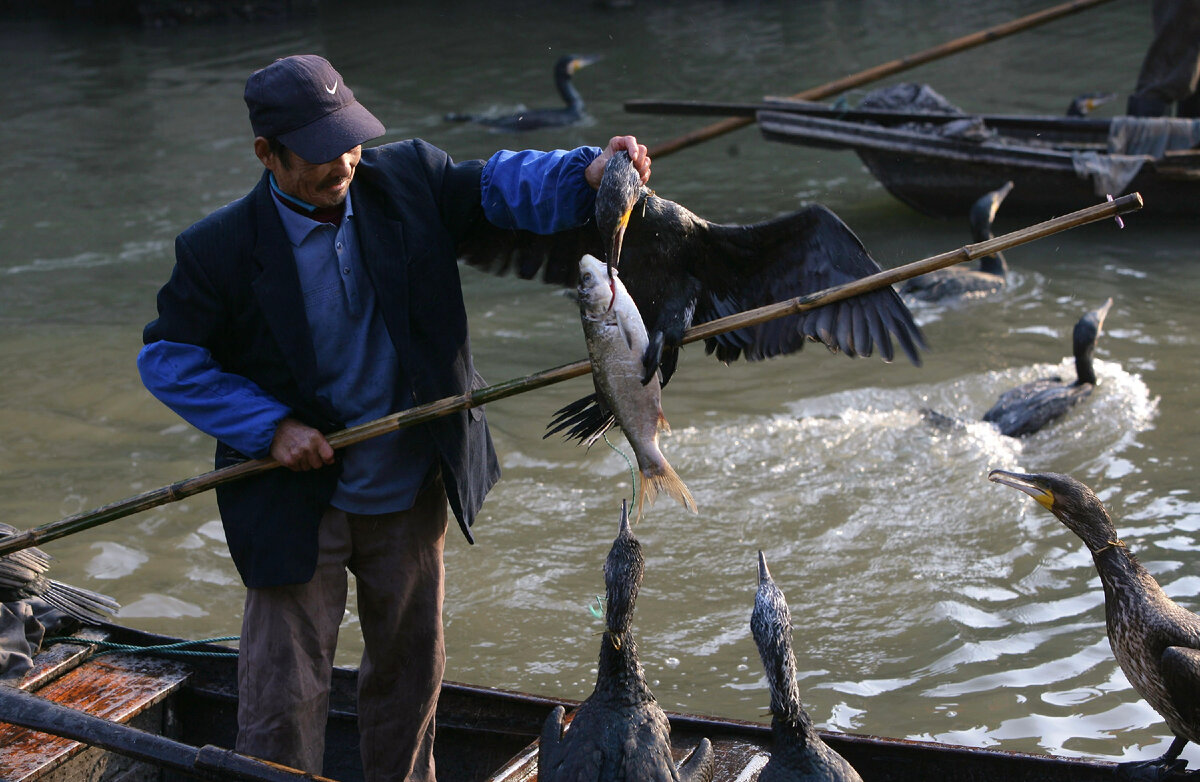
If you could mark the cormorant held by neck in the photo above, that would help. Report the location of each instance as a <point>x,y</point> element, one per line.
<point>619,734</point>
<point>681,269</point>
<point>798,754</point>
<point>957,281</point>
<point>1031,406</point>
<point>23,575</point>
<point>532,119</point>
<point>1155,640</point>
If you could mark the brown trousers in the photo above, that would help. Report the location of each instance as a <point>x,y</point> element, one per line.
<point>289,635</point>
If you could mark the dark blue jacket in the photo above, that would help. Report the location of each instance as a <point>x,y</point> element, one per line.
<point>235,291</point>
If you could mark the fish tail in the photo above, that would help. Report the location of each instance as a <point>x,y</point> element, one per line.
<point>662,479</point>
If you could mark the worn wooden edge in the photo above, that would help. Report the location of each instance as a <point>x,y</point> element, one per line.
<point>115,687</point>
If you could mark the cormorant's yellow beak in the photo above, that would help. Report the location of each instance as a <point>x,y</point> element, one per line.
<point>614,252</point>
<point>1024,483</point>
<point>618,239</point>
<point>580,62</point>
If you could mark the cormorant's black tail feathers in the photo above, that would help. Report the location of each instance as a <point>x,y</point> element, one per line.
<point>585,419</point>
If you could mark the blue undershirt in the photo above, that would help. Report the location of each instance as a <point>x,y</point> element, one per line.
<point>359,372</point>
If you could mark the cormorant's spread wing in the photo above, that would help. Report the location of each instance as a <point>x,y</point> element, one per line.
<point>552,258</point>
<point>801,253</point>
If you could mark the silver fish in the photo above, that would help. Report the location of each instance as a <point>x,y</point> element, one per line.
<point>616,340</point>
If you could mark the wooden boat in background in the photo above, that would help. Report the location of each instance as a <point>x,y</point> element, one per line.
<point>943,176</point>
<point>483,734</point>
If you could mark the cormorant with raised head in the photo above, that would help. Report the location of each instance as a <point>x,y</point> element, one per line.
<point>1155,640</point>
<point>958,281</point>
<point>23,575</point>
<point>1031,406</point>
<point>619,734</point>
<point>532,119</point>
<point>798,754</point>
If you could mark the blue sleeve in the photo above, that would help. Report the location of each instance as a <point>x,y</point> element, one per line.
<point>226,406</point>
<point>542,192</point>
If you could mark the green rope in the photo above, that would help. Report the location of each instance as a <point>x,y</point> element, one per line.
<point>178,648</point>
<point>632,472</point>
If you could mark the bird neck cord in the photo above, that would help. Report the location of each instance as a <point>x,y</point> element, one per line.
<point>177,649</point>
<point>1118,543</point>
<point>619,452</point>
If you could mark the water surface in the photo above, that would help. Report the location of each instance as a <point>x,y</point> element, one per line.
<point>927,601</point>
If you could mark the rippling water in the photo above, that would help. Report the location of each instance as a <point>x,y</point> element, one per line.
<point>928,602</point>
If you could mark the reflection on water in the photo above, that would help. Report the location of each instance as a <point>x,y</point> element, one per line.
<point>927,601</point>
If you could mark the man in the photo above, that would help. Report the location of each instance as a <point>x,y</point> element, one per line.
<point>328,296</point>
<point>1167,82</point>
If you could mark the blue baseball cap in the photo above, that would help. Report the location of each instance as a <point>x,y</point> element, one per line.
<point>302,101</point>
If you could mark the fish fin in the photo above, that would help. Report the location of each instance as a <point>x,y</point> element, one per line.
<point>629,334</point>
<point>664,480</point>
<point>661,424</point>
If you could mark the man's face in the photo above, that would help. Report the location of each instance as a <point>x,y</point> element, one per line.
<point>320,184</point>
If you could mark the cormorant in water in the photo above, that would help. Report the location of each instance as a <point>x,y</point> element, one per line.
<point>1082,105</point>
<point>532,119</point>
<point>23,575</point>
<point>681,269</point>
<point>990,277</point>
<point>619,734</point>
<point>1029,407</point>
<point>1155,640</point>
<point>797,752</point>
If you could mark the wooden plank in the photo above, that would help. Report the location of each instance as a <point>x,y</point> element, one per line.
<point>58,659</point>
<point>116,687</point>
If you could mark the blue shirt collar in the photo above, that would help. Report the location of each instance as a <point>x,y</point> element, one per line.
<point>295,225</point>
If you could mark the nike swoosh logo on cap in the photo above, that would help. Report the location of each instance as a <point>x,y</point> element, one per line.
<point>332,90</point>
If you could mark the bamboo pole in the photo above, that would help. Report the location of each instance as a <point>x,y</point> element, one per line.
<point>442,407</point>
<point>208,762</point>
<point>886,69</point>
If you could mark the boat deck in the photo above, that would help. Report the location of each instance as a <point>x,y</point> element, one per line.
<point>484,734</point>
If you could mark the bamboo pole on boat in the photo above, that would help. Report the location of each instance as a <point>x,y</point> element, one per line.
<point>442,407</point>
<point>208,762</point>
<point>886,69</point>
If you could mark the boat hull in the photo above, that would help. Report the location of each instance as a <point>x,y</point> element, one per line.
<point>944,177</point>
<point>483,734</point>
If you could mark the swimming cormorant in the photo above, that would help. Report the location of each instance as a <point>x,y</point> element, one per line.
<point>1029,407</point>
<point>619,734</point>
<point>798,754</point>
<point>1155,640</point>
<point>23,575</point>
<point>532,119</point>
<point>1082,105</point>
<point>681,269</point>
<point>990,277</point>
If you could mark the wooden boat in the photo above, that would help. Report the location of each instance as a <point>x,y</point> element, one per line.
<point>483,734</point>
<point>1057,164</point>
